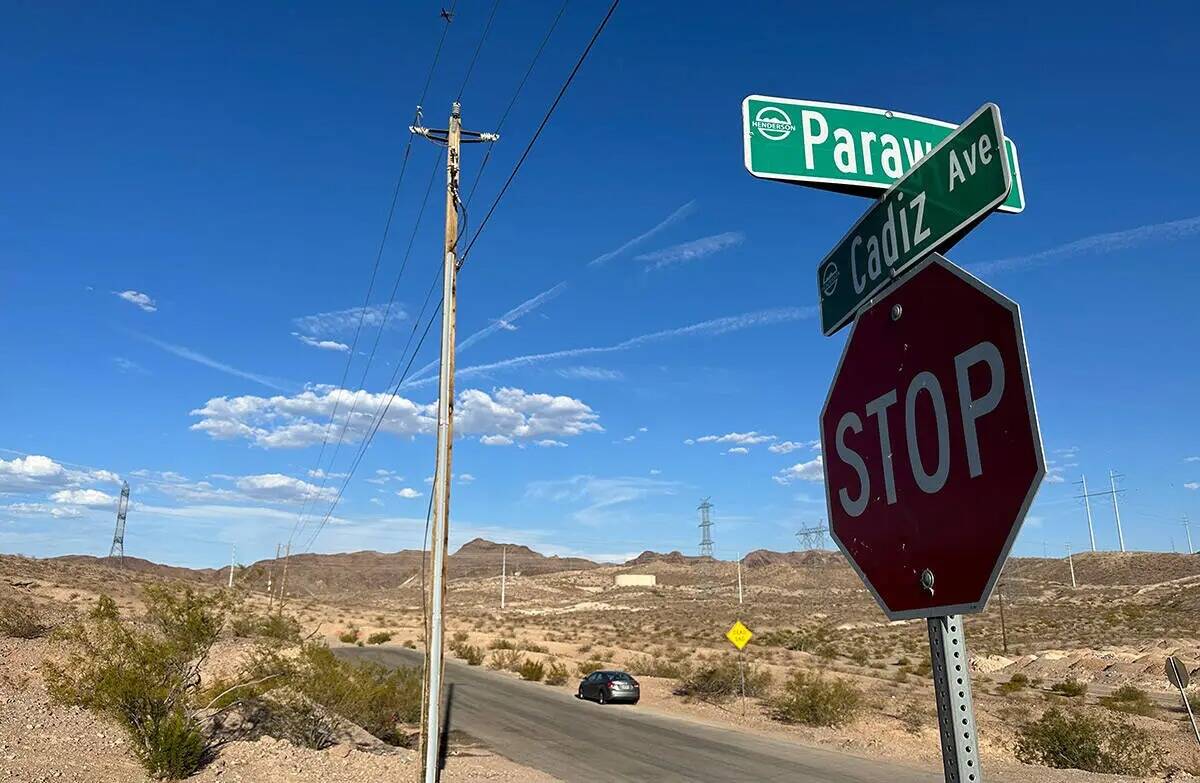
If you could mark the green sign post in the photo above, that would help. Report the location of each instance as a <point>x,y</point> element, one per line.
<point>848,149</point>
<point>955,185</point>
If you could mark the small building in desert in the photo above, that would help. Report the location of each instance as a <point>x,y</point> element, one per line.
<point>636,580</point>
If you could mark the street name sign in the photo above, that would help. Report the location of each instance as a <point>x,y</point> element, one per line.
<point>848,149</point>
<point>954,186</point>
<point>931,442</point>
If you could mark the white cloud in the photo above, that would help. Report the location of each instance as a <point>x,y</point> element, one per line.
<point>36,472</point>
<point>643,429</point>
<point>464,478</point>
<point>788,446</point>
<point>655,472</point>
<point>1097,243</point>
<point>629,438</point>
<point>738,450</point>
<point>691,251</point>
<point>279,488</point>
<point>376,501</point>
<point>41,509</point>
<point>184,352</point>
<point>1054,478</point>
<point>129,366</point>
<point>551,444</point>
<point>669,221</point>
<point>741,438</point>
<point>690,442</point>
<point>324,345</point>
<point>599,495</point>
<point>586,373</point>
<point>710,328</point>
<point>496,440</point>
<point>408,493</point>
<point>813,470</point>
<point>1191,459</point>
<point>319,473</point>
<point>346,321</point>
<point>138,299</point>
<point>299,420</point>
<point>1192,485</point>
<point>89,498</point>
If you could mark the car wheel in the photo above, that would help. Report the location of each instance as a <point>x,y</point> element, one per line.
<point>635,701</point>
<point>579,693</point>
<point>602,699</point>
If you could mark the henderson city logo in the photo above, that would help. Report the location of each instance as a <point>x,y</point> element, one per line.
<point>773,123</point>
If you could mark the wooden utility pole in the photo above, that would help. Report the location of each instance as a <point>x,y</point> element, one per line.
<point>431,726</point>
<point>271,579</point>
<point>503,574</point>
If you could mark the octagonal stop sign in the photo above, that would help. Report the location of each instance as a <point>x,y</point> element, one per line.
<point>931,444</point>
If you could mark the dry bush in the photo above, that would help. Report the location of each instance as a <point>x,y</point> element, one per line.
<point>348,637</point>
<point>649,666</point>
<point>1080,741</point>
<point>1070,687</point>
<point>556,674</point>
<point>723,681</point>
<point>1015,683</point>
<point>279,626</point>
<point>1129,699</point>
<point>502,643</point>
<point>379,637</point>
<point>19,620</point>
<point>589,666</point>
<point>815,701</point>
<point>505,659</point>
<point>529,646</point>
<point>532,670</point>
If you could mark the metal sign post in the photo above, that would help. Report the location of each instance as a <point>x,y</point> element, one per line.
<point>1177,673</point>
<point>952,687</point>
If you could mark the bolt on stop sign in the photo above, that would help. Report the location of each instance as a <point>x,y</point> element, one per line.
<point>931,443</point>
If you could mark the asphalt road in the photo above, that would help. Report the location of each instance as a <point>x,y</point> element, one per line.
<point>579,741</point>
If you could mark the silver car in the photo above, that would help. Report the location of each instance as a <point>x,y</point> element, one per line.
<point>610,686</point>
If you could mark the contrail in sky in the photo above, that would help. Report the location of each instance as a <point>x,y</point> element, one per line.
<point>1098,243</point>
<point>184,352</point>
<point>671,219</point>
<point>710,328</point>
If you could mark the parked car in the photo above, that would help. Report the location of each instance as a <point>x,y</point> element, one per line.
<point>610,686</point>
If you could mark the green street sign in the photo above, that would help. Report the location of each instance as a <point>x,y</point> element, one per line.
<point>848,149</point>
<point>954,186</point>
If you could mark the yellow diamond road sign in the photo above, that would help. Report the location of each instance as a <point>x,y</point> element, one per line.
<point>739,635</point>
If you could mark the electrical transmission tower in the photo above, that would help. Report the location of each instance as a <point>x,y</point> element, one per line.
<point>1113,492</point>
<point>811,537</point>
<point>706,542</point>
<point>1187,526</point>
<point>118,544</point>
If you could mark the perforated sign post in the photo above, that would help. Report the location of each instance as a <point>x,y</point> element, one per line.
<point>932,459</point>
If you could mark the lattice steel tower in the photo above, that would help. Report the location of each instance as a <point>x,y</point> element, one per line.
<point>706,542</point>
<point>811,537</point>
<point>118,544</point>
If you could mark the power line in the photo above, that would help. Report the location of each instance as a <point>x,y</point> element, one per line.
<point>478,47</point>
<point>301,519</point>
<point>487,156</point>
<point>533,140</point>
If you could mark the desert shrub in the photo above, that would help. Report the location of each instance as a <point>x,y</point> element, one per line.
<point>280,626</point>
<point>1070,687</point>
<point>1083,742</point>
<point>502,644</point>
<point>589,666</point>
<point>533,647</point>
<point>1015,683</point>
<point>859,656</point>
<point>379,637</point>
<point>349,636</point>
<point>20,620</point>
<point>584,649</point>
<point>800,640</point>
<point>650,666</point>
<point>556,674</point>
<point>459,637</point>
<point>814,701</point>
<point>912,718</point>
<point>145,676</point>
<point>470,653</point>
<point>722,681</point>
<point>376,698</point>
<point>1129,699</point>
<point>1193,699</point>
<point>505,659</point>
<point>532,670</point>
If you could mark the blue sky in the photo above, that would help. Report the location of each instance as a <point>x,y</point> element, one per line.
<point>193,203</point>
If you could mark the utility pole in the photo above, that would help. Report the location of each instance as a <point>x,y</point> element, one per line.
<point>1187,527</point>
<point>453,137</point>
<point>271,579</point>
<point>287,558</point>
<point>739,557</point>
<point>1071,564</point>
<point>232,560</point>
<point>503,573</point>
<point>1003,627</point>
<point>1087,504</point>
<point>1112,480</point>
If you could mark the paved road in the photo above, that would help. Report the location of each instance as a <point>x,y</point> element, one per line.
<point>584,742</point>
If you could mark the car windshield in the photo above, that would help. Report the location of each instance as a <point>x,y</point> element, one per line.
<point>619,676</point>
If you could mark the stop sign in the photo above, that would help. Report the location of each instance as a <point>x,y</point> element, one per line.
<point>931,444</point>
